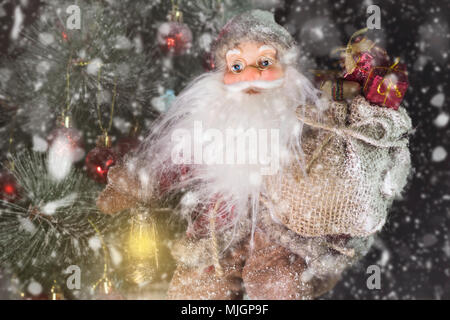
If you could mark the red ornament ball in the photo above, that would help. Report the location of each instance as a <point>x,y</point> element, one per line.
<point>174,37</point>
<point>8,187</point>
<point>98,162</point>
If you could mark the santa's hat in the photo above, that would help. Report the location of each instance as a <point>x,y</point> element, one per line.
<point>254,25</point>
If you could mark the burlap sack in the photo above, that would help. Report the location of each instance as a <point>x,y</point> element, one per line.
<point>356,162</point>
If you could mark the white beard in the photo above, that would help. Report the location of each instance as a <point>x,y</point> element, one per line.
<point>215,173</point>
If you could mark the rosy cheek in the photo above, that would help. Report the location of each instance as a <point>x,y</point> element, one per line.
<point>230,78</point>
<point>272,74</point>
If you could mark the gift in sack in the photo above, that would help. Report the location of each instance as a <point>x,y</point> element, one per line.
<point>356,163</point>
<point>360,56</point>
<point>386,86</point>
<point>363,64</point>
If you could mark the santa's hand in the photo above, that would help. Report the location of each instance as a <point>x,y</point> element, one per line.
<point>111,201</point>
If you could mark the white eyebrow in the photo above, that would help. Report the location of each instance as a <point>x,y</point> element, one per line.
<point>266,47</point>
<point>233,51</point>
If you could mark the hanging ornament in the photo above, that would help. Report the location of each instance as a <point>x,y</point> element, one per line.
<point>174,36</point>
<point>8,187</point>
<point>103,289</point>
<point>98,162</point>
<point>66,141</point>
<point>65,147</point>
<point>56,292</point>
<point>142,247</point>
<point>100,159</point>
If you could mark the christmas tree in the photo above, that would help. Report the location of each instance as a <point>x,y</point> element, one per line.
<point>84,84</point>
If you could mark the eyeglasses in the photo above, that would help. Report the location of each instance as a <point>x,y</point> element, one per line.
<point>263,63</point>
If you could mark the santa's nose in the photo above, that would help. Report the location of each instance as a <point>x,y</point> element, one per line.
<point>250,74</point>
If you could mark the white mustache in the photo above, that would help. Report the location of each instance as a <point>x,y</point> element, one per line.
<point>258,84</point>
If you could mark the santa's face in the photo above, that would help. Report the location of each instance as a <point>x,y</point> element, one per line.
<point>253,63</point>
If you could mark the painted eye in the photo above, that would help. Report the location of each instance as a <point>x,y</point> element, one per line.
<point>237,66</point>
<point>264,63</point>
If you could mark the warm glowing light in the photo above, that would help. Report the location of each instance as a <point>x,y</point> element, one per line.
<point>170,42</point>
<point>142,242</point>
<point>102,171</point>
<point>9,189</point>
<point>103,287</point>
<point>142,248</point>
<point>107,287</point>
<point>56,293</point>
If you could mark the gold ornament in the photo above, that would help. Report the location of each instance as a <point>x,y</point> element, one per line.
<point>103,286</point>
<point>142,247</point>
<point>56,292</point>
<point>103,289</point>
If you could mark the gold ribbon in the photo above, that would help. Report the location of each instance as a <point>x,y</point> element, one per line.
<point>391,84</point>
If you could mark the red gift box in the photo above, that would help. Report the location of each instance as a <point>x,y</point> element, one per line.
<point>386,86</point>
<point>364,62</point>
<point>363,66</point>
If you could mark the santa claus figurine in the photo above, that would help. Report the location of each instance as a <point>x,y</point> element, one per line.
<point>282,188</point>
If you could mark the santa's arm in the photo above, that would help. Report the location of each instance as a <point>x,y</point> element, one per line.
<point>123,191</point>
<point>132,182</point>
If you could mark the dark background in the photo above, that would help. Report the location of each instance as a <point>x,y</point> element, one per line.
<point>413,250</point>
